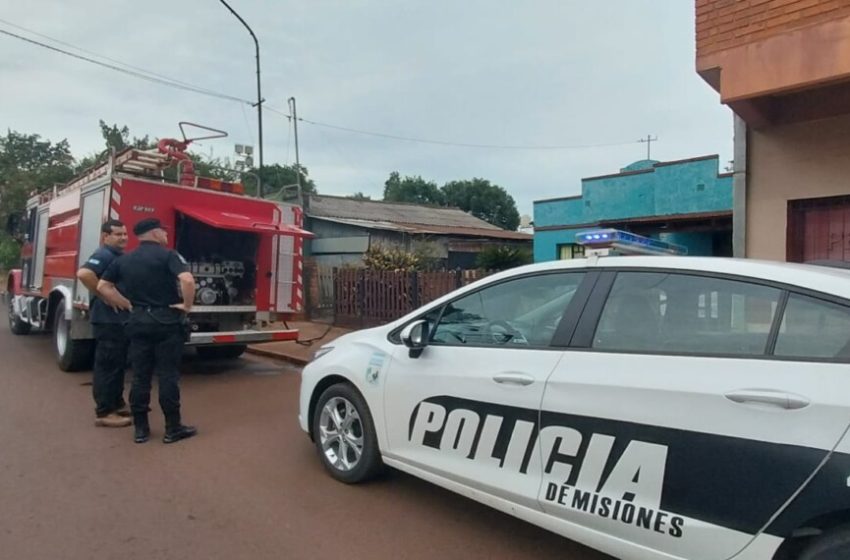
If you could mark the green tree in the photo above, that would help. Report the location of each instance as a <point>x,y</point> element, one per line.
<point>279,181</point>
<point>27,164</point>
<point>411,189</point>
<point>117,138</point>
<point>359,195</point>
<point>483,200</point>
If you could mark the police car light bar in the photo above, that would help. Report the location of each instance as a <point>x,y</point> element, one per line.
<point>628,243</point>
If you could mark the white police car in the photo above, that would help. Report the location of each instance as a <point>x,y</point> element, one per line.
<point>649,407</point>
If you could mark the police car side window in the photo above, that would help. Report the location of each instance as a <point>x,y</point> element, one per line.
<point>516,313</point>
<point>683,313</point>
<point>813,328</point>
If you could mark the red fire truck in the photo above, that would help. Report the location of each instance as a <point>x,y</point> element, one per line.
<point>245,252</point>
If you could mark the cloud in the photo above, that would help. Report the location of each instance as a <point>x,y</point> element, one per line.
<point>551,72</point>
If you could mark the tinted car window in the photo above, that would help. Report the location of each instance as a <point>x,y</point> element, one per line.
<point>682,313</point>
<point>813,328</point>
<point>521,312</point>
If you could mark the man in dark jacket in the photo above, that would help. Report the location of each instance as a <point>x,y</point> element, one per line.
<point>107,323</point>
<point>145,282</point>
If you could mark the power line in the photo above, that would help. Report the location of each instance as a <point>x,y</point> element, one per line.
<point>149,77</point>
<point>447,143</point>
<point>104,57</point>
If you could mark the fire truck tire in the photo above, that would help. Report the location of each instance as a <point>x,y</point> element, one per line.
<point>16,324</point>
<point>225,352</point>
<point>71,355</point>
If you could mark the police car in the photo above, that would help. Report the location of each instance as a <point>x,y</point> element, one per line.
<point>647,406</point>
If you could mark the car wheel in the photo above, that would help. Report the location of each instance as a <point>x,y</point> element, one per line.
<point>228,352</point>
<point>832,545</point>
<point>71,354</point>
<point>16,324</point>
<point>345,435</point>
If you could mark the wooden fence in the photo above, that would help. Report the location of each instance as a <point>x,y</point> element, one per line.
<point>365,298</point>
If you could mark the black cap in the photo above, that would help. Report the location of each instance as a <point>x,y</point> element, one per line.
<point>146,225</point>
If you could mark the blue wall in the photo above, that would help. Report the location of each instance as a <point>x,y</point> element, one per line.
<point>644,189</point>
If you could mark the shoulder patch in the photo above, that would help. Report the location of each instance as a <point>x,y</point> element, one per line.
<point>184,261</point>
<point>94,261</point>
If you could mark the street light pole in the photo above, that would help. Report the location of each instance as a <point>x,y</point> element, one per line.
<point>260,99</point>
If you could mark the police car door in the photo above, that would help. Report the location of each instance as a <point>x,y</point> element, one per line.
<point>467,408</point>
<point>687,435</point>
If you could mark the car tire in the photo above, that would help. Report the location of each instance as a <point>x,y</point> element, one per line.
<point>228,352</point>
<point>16,324</point>
<point>71,354</point>
<point>344,434</point>
<point>832,545</point>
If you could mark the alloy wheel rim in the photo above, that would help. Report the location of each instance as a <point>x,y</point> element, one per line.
<point>341,434</point>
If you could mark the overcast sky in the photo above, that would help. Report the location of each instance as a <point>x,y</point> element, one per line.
<point>495,72</point>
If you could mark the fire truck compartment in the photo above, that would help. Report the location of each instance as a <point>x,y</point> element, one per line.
<point>223,261</point>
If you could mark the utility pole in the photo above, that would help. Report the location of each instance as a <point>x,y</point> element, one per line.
<point>294,118</point>
<point>648,141</point>
<point>259,103</point>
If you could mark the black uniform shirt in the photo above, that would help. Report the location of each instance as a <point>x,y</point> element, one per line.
<point>148,275</point>
<point>98,262</point>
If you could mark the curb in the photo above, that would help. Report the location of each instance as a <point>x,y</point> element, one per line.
<point>277,356</point>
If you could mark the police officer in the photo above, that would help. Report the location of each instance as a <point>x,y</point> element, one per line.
<point>145,283</point>
<point>110,354</point>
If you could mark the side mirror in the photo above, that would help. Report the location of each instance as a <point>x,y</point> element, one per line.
<point>415,337</point>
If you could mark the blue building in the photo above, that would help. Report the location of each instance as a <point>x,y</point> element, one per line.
<point>688,202</point>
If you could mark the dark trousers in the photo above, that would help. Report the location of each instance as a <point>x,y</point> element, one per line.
<point>110,357</point>
<point>156,349</point>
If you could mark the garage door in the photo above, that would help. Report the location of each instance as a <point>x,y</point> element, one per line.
<point>819,229</point>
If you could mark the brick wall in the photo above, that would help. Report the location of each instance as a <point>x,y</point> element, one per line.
<point>723,24</point>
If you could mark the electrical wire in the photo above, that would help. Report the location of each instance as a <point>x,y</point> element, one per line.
<point>160,79</point>
<point>98,55</point>
<point>149,77</point>
<point>448,143</point>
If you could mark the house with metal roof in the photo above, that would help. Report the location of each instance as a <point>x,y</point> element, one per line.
<point>345,228</point>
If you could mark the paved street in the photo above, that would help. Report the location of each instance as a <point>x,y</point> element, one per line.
<point>249,486</point>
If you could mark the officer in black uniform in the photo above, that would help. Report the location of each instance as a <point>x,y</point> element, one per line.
<point>145,283</point>
<point>110,354</point>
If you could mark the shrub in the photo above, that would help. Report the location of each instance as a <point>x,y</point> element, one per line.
<point>502,257</point>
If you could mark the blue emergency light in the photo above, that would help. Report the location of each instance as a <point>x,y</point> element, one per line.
<point>628,243</point>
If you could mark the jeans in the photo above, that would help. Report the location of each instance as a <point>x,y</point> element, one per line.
<point>156,349</point>
<point>110,358</point>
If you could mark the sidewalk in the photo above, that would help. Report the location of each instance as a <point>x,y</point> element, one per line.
<point>291,351</point>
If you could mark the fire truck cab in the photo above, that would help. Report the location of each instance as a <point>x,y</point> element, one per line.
<point>244,252</point>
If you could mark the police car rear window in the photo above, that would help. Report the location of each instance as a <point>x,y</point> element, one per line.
<point>681,313</point>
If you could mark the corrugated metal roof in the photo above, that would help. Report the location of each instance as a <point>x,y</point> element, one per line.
<point>426,229</point>
<point>393,212</point>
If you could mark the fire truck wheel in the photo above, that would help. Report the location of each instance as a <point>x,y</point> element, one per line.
<point>71,355</point>
<point>16,324</point>
<point>228,352</point>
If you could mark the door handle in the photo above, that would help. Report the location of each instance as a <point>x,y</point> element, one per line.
<point>513,379</point>
<point>779,399</point>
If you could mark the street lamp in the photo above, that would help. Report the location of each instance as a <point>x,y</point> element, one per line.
<point>259,104</point>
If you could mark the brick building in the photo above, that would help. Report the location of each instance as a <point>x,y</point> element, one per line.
<point>783,67</point>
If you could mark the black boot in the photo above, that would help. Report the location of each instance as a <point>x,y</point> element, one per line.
<point>175,430</point>
<point>142,431</point>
